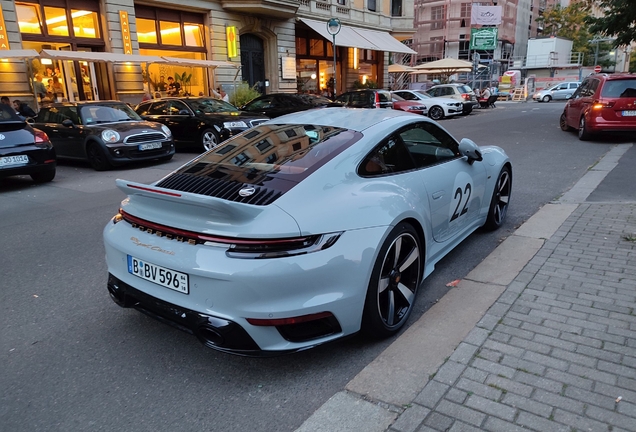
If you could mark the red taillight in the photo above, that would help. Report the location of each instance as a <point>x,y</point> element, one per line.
<point>466,96</point>
<point>377,100</point>
<point>600,104</point>
<point>288,321</point>
<point>40,137</point>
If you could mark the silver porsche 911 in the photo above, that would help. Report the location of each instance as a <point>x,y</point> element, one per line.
<point>304,229</point>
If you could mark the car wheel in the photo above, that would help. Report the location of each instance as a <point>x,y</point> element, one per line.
<point>395,278</point>
<point>584,134</point>
<point>436,113</point>
<point>97,158</point>
<point>209,139</point>
<point>546,98</point>
<point>563,123</point>
<point>500,200</point>
<point>43,176</point>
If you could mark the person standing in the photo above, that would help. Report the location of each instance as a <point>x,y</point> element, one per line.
<point>224,96</point>
<point>173,87</point>
<point>39,87</point>
<point>161,85</point>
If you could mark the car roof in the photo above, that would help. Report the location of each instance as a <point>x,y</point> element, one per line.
<point>357,119</point>
<point>84,103</point>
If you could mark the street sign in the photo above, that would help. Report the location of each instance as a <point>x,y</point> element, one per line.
<point>597,69</point>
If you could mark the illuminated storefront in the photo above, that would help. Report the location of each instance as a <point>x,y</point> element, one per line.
<point>179,36</point>
<point>65,25</point>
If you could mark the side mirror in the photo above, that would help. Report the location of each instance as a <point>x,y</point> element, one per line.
<point>30,120</point>
<point>468,148</point>
<point>68,123</point>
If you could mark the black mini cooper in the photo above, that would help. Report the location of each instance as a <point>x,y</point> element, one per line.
<point>106,133</point>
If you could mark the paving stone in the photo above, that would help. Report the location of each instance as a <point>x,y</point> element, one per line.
<point>555,400</point>
<point>569,379</point>
<point>479,389</point>
<point>477,336</point>
<point>410,419</point>
<point>488,321</point>
<point>611,417</point>
<point>449,372</point>
<point>460,412</point>
<point>601,354</point>
<point>493,368</point>
<point>537,423</point>
<point>456,395</point>
<point>487,354</point>
<point>463,427</point>
<point>540,329</point>
<point>533,346</point>
<point>431,394</point>
<point>438,421</point>
<point>496,425</point>
<point>537,381</point>
<point>491,407</point>
<point>545,360</point>
<point>524,334</point>
<point>525,404</point>
<point>573,357</point>
<point>523,365</point>
<point>500,337</point>
<point>583,340</point>
<point>509,386</point>
<point>589,398</point>
<point>475,374</point>
<point>620,340</point>
<point>578,422</point>
<point>567,328</point>
<point>463,353</point>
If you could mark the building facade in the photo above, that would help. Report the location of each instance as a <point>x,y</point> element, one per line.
<point>122,49</point>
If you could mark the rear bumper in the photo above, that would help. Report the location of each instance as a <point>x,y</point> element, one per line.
<point>600,124</point>
<point>40,160</point>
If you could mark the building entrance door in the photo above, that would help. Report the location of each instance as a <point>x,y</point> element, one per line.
<point>253,61</point>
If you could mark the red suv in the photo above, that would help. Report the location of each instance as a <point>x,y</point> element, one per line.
<point>603,103</point>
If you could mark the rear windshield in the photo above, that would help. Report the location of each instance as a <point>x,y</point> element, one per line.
<point>619,88</point>
<point>464,89</point>
<point>283,151</point>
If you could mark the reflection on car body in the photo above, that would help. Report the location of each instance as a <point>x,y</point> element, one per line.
<point>304,229</point>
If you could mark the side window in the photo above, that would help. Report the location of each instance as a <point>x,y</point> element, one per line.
<point>406,95</point>
<point>143,109</point>
<point>580,91</point>
<point>390,157</point>
<point>590,88</point>
<point>177,106</point>
<point>43,116</point>
<point>263,103</point>
<point>574,85</point>
<point>433,92</point>
<point>384,96</point>
<point>159,108</point>
<point>69,113</point>
<point>562,87</point>
<point>428,144</point>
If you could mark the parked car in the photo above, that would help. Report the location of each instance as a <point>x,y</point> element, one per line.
<point>415,107</point>
<point>303,230</point>
<point>105,133</point>
<point>459,92</point>
<point>201,121</point>
<point>438,107</point>
<point>603,103</point>
<point>24,150</point>
<point>278,104</point>
<point>367,98</point>
<point>558,91</point>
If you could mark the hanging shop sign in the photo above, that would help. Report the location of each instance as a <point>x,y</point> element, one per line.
<point>4,39</point>
<point>125,32</point>
<point>483,38</point>
<point>485,15</point>
<point>230,33</point>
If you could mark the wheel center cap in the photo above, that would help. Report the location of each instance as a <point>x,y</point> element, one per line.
<point>396,276</point>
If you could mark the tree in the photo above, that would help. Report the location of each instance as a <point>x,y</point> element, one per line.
<point>619,20</point>
<point>570,22</point>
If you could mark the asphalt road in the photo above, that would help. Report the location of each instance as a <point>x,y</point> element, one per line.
<point>74,361</point>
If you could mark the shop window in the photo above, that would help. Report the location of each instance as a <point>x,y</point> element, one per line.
<point>56,23</point>
<point>193,34</point>
<point>301,46</point>
<point>170,33</point>
<point>146,31</point>
<point>85,23</point>
<point>29,19</point>
<point>316,47</point>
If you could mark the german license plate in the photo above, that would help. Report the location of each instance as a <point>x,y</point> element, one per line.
<point>165,277</point>
<point>13,160</point>
<point>149,146</point>
<point>629,113</point>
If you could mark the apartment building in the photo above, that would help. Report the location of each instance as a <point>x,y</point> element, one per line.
<point>121,49</point>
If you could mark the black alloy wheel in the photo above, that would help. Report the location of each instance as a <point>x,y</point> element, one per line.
<point>395,278</point>
<point>436,113</point>
<point>97,158</point>
<point>500,200</point>
<point>563,123</point>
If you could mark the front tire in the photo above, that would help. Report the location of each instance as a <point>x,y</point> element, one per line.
<point>209,139</point>
<point>436,113</point>
<point>396,276</point>
<point>584,134</point>
<point>546,98</point>
<point>563,123</point>
<point>97,157</point>
<point>500,200</point>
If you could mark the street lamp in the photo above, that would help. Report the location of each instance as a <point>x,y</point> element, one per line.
<point>333,28</point>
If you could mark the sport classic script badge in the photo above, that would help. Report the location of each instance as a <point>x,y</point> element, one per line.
<point>136,241</point>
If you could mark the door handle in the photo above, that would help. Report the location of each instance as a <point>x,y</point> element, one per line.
<point>438,194</point>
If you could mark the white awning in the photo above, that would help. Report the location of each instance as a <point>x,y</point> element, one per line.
<point>18,54</point>
<point>355,37</point>
<point>100,56</point>
<point>198,63</point>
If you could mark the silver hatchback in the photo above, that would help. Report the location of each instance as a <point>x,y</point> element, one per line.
<point>560,91</point>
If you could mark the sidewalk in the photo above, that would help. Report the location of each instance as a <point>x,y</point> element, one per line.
<point>556,351</point>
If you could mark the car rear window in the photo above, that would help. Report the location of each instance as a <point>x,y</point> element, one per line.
<point>464,89</point>
<point>288,151</point>
<point>384,96</point>
<point>619,88</point>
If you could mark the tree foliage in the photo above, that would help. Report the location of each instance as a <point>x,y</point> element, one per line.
<point>618,20</point>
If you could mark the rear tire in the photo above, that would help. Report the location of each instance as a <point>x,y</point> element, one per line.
<point>97,157</point>
<point>396,276</point>
<point>43,176</point>
<point>436,113</point>
<point>584,134</point>
<point>500,200</point>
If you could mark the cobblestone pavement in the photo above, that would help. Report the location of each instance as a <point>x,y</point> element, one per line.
<point>557,351</point>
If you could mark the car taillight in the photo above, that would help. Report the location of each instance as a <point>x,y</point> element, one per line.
<point>600,104</point>
<point>465,96</point>
<point>377,100</point>
<point>41,137</point>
